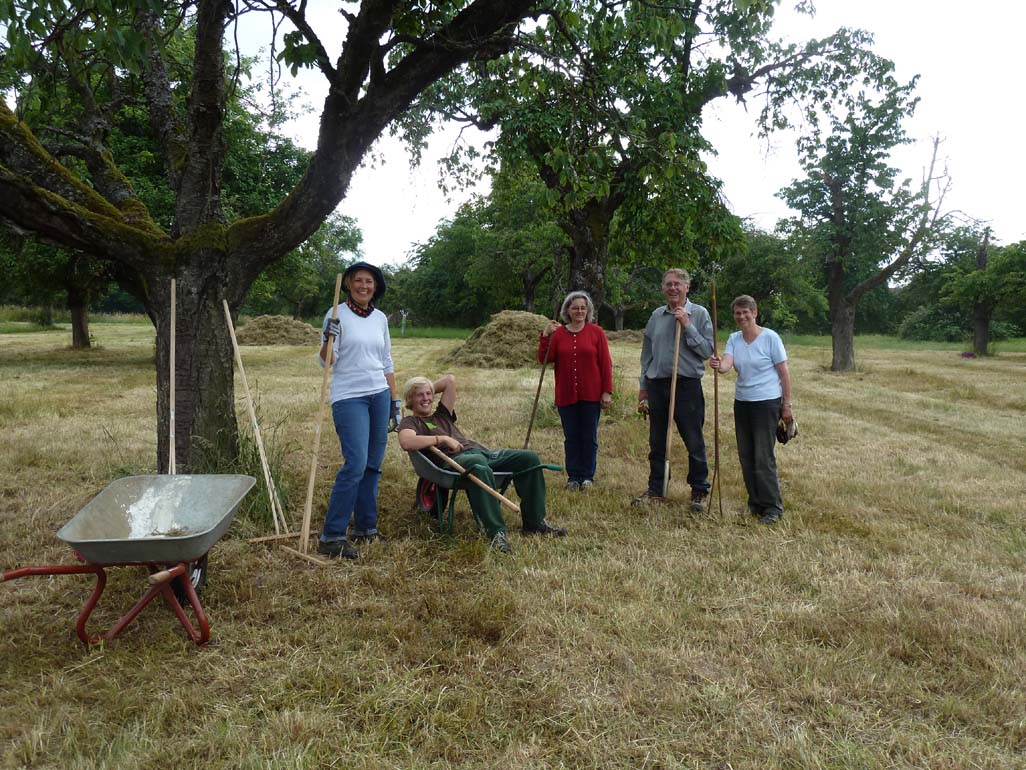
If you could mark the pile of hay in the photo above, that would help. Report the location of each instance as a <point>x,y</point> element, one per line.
<point>277,330</point>
<point>508,341</point>
<point>626,335</point>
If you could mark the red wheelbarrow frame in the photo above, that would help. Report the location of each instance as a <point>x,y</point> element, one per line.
<point>161,579</point>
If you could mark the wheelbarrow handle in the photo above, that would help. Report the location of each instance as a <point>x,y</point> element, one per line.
<point>166,574</point>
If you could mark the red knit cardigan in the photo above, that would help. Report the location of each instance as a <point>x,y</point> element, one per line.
<point>584,369</point>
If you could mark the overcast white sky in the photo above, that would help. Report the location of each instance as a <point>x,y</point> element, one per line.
<point>968,56</point>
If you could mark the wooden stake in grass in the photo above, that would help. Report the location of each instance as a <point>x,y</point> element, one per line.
<point>171,390</point>
<point>716,411</point>
<point>475,480</point>
<point>541,379</point>
<point>277,513</point>
<point>329,365</point>
<point>673,401</point>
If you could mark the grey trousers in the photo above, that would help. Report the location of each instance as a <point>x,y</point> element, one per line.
<point>755,428</point>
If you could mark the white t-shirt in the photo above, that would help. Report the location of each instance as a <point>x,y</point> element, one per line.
<point>363,354</point>
<point>757,377</point>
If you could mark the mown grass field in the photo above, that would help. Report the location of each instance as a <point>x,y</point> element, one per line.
<point>880,625</point>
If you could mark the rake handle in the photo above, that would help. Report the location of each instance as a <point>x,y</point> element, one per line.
<point>329,365</point>
<point>673,403</point>
<point>475,480</point>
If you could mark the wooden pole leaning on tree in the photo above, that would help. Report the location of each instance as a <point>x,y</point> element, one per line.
<point>475,480</point>
<point>277,513</point>
<point>673,402</point>
<point>716,411</point>
<point>329,364</point>
<point>171,389</point>
<point>541,379</point>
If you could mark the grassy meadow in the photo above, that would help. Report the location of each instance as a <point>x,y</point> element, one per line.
<point>881,624</point>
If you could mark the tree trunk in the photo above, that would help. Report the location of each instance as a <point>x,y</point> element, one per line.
<point>528,297</point>
<point>206,431</point>
<point>982,310</point>
<point>589,233</point>
<point>842,333</point>
<point>79,307</point>
<point>618,314</point>
<point>80,327</point>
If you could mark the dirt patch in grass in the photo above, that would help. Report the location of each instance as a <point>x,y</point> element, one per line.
<point>508,341</point>
<point>277,330</point>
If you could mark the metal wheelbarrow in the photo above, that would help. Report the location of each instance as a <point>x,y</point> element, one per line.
<point>166,524</point>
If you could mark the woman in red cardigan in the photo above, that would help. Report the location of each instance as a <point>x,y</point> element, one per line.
<point>579,353</point>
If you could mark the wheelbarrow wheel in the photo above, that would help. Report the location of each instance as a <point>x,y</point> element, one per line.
<point>196,573</point>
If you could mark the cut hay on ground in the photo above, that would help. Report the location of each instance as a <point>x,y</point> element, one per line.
<point>508,341</point>
<point>626,335</point>
<point>277,330</point>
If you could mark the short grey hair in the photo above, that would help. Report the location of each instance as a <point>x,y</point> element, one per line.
<point>564,311</point>
<point>679,272</point>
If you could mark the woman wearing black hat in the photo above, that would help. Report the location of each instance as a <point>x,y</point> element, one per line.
<point>363,404</point>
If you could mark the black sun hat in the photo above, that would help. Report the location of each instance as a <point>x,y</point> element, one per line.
<point>786,430</point>
<point>379,277</point>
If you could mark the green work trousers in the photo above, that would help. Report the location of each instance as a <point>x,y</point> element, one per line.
<point>530,486</point>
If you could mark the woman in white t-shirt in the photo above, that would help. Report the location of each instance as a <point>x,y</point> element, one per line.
<point>363,405</point>
<point>762,397</point>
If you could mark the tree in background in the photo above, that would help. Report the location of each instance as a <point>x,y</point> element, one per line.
<point>855,220</point>
<point>769,269</point>
<point>101,55</point>
<point>605,100</point>
<point>437,290</point>
<point>992,286</point>
<point>42,274</point>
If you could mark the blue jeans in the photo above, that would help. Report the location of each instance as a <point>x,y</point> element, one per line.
<point>362,427</point>
<point>580,439</point>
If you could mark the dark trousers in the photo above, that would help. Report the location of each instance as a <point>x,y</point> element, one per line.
<point>689,417</point>
<point>755,428</point>
<point>580,439</point>
<point>530,485</point>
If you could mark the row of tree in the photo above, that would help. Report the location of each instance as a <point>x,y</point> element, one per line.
<point>131,135</point>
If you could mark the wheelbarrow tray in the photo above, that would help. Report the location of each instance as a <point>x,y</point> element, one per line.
<point>156,519</point>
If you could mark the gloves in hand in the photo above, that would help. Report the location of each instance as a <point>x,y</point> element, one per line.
<point>333,327</point>
<point>643,409</point>
<point>396,416</point>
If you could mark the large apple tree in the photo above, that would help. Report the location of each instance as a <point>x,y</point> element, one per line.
<point>64,184</point>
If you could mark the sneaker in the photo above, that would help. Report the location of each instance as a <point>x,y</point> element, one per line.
<point>648,497</point>
<point>586,485</point>
<point>698,500</point>
<point>337,549</point>
<point>573,486</point>
<point>770,517</point>
<point>500,543</point>
<point>545,528</point>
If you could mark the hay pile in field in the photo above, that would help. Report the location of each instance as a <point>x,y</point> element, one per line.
<point>508,341</point>
<point>277,330</point>
<point>626,335</point>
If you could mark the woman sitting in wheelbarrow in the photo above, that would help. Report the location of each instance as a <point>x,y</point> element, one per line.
<point>436,427</point>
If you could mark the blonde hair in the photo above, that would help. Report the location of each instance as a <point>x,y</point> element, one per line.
<point>413,384</point>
